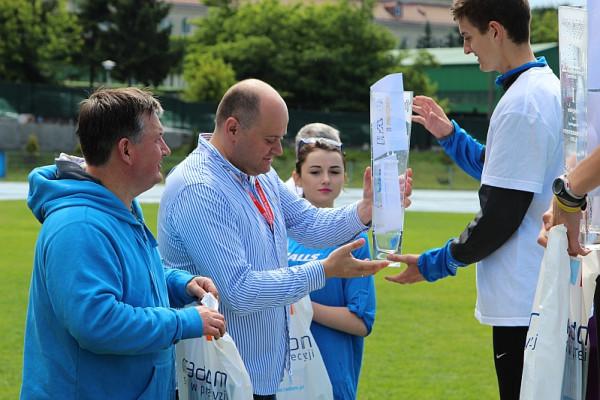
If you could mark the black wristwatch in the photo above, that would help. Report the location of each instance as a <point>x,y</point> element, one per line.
<point>560,188</point>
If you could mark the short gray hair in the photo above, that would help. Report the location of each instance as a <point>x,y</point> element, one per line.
<point>109,115</point>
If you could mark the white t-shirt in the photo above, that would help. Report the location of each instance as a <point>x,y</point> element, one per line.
<point>524,151</point>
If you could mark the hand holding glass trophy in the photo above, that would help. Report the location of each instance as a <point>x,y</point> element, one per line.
<point>391,110</point>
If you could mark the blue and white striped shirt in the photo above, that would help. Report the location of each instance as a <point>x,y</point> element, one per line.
<point>208,225</point>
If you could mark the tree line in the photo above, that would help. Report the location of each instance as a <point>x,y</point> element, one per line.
<point>319,56</point>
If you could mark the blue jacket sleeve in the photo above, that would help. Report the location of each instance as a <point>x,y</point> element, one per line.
<point>466,152</point>
<point>177,281</point>
<point>438,263</point>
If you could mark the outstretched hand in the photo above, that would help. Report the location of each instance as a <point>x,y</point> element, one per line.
<point>342,264</point>
<point>431,116</point>
<point>411,274</point>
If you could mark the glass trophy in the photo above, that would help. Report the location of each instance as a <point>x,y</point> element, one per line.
<point>580,104</point>
<point>391,109</point>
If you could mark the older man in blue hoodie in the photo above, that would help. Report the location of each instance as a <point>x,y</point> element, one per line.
<point>100,323</point>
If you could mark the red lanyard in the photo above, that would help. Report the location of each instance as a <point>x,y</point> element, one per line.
<point>264,208</point>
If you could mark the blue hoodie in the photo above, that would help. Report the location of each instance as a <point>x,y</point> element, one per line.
<point>99,324</point>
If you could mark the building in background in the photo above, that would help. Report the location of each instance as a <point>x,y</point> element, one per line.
<point>182,13</point>
<point>418,23</point>
<point>411,21</point>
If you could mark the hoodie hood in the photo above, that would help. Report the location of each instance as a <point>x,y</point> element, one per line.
<point>67,184</point>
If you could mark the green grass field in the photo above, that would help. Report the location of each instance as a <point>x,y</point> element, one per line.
<point>425,344</point>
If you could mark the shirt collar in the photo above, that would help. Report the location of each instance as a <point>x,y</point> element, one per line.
<point>506,79</point>
<point>225,163</point>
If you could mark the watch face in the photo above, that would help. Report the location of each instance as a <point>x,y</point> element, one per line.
<point>557,186</point>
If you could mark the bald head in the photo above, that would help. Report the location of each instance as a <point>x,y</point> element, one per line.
<point>251,121</point>
<point>245,100</point>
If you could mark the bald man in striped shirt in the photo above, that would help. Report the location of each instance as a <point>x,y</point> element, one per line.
<point>226,214</point>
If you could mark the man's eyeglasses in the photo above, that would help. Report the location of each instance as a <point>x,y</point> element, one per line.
<point>324,141</point>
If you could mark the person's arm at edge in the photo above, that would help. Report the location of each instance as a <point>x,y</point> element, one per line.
<point>582,179</point>
<point>586,175</point>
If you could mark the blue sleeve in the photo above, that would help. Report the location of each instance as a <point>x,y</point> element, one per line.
<point>360,299</point>
<point>177,281</point>
<point>360,292</point>
<point>86,292</point>
<point>438,263</point>
<point>466,152</point>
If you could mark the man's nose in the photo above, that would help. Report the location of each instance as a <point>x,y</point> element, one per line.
<point>166,151</point>
<point>277,149</point>
<point>467,49</point>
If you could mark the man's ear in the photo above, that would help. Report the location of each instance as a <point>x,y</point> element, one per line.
<point>124,150</point>
<point>232,127</point>
<point>497,30</point>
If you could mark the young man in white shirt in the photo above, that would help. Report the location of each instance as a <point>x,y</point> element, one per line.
<point>523,154</point>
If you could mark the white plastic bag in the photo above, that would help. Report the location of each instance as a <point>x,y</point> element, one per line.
<point>309,378</point>
<point>211,369</point>
<point>543,365</point>
<point>576,355</point>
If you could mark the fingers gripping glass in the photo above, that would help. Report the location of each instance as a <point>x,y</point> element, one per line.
<point>314,140</point>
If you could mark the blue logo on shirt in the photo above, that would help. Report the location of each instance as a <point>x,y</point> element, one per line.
<point>303,257</point>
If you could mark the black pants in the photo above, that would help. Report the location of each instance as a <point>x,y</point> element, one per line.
<point>594,379</point>
<point>265,397</point>
<point>597,316</point>
<point>509,346</point>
